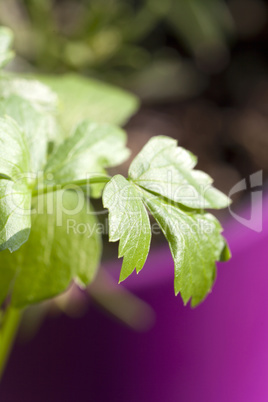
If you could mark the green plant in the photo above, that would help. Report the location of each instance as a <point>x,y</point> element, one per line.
<point>104,36</point>
<point>50,166</point>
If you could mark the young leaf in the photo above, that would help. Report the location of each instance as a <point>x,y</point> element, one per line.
<point>92,148</point>
<point>66,246</point>
<point>128,222</point>
<point>165,169</point>
<point>6,39</point>
<point>158,176</point>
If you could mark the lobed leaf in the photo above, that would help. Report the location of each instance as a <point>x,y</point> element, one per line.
<point>158,176</point>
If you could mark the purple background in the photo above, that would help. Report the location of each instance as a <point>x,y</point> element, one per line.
<point>216,352</point>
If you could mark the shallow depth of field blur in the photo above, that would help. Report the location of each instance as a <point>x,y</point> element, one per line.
<point>200,69</point>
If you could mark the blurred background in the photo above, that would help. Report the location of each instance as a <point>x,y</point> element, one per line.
<point>200,69</point>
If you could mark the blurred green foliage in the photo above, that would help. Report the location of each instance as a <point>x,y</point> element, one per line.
<point>118,40</point>
<point>81,98</point>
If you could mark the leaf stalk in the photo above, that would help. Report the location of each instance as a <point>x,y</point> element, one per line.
<point>70,184</point>
<point>8,330</point>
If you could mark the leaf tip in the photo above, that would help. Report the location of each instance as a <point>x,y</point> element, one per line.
<point>226,254</point>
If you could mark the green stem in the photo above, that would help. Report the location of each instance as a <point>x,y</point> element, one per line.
<point>61,186</point>
<point>8,330</point>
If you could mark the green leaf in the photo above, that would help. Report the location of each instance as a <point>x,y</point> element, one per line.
<point>15,217</point>
<point>6,39</point>
<point>165,169</point>
<point>82,98</point>
<point>15,196</point>
<point>64,244</point>
<point>39,95</point>
<point>14,152</point>
<point>158,176</point>
<point>92,148</point>
<point>195,242</point>
<point>23,153</point>
<point>128,222</point>
<point>34,131</point>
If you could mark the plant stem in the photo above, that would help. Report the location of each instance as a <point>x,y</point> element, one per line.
<point>61,186</point>
<point>8,330</point>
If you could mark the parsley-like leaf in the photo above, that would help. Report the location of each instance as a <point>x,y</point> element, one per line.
<point>162,178</point>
